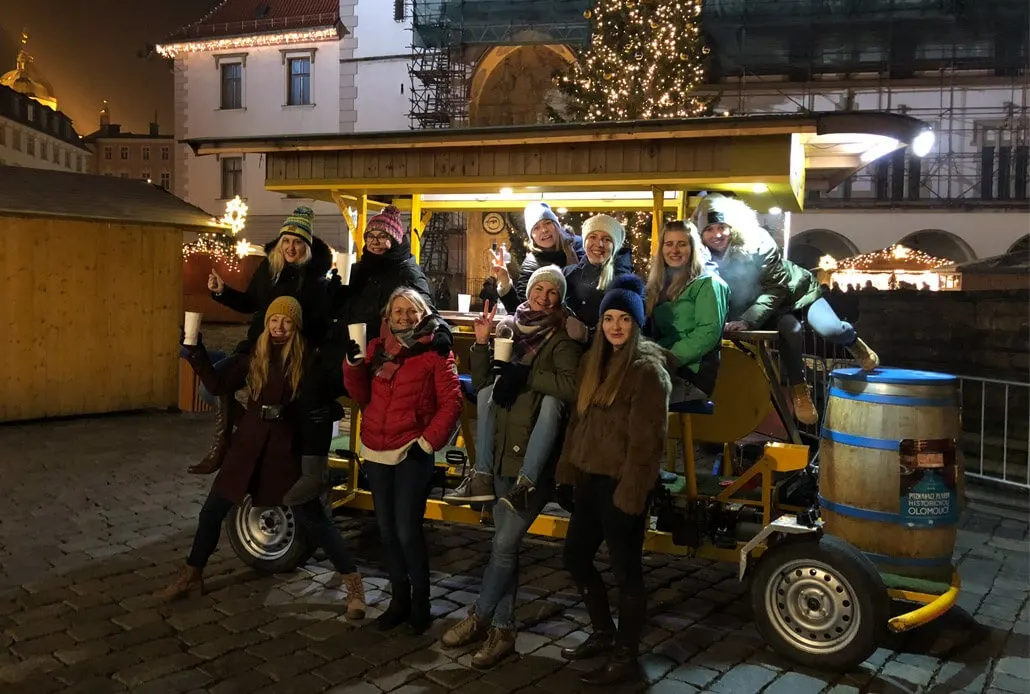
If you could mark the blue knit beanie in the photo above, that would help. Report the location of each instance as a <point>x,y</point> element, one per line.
<point>625,293</point>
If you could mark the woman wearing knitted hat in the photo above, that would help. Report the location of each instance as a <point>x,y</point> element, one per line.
<point>386,264</point>
<point>296,265</point>
<point>612,453</point>
<point>686,303</point>
<point>549,244</point>
<point>263,459</point>
<point>768,292</point>
<point>606,259</point>
<point>516,435</point>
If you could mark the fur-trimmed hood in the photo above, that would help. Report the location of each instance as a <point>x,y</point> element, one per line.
<point>321,257</point>
<point>746,231</point>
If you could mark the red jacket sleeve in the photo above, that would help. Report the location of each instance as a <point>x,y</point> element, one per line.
<point>448,402</point>
<point>357,379</point>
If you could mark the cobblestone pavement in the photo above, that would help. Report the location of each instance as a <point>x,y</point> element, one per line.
<point>99,513</point>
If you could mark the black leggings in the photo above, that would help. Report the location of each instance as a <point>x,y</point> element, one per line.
<point>311,515</point>
<point>596,519</point>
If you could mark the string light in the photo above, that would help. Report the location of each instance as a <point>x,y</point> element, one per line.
<point>171,50</point>
<point>221,248</point>
<point>894,257</point>
<point>644,60</point>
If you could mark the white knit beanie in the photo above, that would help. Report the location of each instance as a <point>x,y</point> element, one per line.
<point>608,225</point>
<point>548,273</point>
<point>534,212</point>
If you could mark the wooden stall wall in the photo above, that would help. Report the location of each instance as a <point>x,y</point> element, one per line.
<point>91,314</point>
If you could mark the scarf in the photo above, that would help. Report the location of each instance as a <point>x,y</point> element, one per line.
<point>532,329</point>
<point>396,345</point>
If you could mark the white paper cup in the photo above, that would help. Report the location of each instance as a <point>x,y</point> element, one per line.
<point>343,264</point>
<point>502,348</point>
<point>357,333</point>
<point>191,325</point>
<point>464,303</point>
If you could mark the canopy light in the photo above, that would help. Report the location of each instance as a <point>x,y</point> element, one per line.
<point>923,143</point>
<point>775,210</point>
<point>759,188</point>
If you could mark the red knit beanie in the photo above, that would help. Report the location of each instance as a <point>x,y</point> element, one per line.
<point>389,220</point>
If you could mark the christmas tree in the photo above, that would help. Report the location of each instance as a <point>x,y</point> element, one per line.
<point>644,59</point>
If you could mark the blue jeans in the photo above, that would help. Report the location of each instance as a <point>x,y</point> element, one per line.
<point>541,440</point>
<point>219,359</point>
<point>824,322</point>
<point>501,578</point>
<point>399,494</point>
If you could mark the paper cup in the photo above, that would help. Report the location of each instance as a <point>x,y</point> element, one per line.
<point>464,303</point>
<point>502,348</point>
<point>191,326</point>
<point>357,333</point>
<point>343,264</point>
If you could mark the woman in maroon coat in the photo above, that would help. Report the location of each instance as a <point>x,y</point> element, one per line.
<point>263,459</point>
<point>410,400</point>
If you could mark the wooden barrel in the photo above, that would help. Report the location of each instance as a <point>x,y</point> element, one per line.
<point>890,476</point>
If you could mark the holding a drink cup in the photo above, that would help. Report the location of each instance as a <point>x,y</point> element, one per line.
<point>191,328</point>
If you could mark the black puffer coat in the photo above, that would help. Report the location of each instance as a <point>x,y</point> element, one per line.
<point>305,283</point>
<point>535,260</point>
<point>582,296</point>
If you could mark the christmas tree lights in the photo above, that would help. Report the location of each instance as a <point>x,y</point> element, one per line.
<point>644,59</point>
<point>220,247</point>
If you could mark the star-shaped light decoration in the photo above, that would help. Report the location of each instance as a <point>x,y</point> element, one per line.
<point>235,216</point>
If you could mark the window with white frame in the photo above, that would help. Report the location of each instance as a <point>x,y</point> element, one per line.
<point>78,163</point>
<point>145,175</point>
<point>123,152</point>
<point>57,154</point>
<point>164,154</point>
<point>16,140</point>
<point>232,177</point>
<point>166,180</point>
<point>67,160</point>
<point>300,66</point>
<point>146,154</point>
<point>107,152</point>
<point>230,78</point>
<point>31,148</point>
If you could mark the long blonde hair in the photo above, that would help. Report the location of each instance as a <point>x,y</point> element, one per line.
<point>277,261</point>
<point>292,359</point>
<point>655,291</point>
<point>604,369</point>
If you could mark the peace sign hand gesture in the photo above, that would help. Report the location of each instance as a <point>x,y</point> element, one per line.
<point>500,271</point>
<point>484,324</point>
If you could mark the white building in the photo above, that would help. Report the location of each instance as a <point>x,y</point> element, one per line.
<point>300,68</point>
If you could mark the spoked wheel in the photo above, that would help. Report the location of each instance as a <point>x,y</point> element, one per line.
<point>820,602</point>
<point>267,538</point>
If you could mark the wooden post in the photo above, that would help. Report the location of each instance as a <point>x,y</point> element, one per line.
<point>359,232</point>
<point>416,228</point>
<point>657,212</point>
<point>683,210</point>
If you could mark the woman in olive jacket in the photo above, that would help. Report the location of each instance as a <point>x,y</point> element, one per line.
<point>612,453</point>
<point>686,302</point>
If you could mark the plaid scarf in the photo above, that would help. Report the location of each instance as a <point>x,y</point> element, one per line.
<point>531,330</point>
<point>395,346</point>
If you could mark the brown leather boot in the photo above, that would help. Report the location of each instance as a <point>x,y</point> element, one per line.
<point>804,408</point>
<point>500,643</point>
<point>355,595</point>
<point>866,357</point>
<point>189,583</point>
<point>468,630</point>
<point>223,428</point>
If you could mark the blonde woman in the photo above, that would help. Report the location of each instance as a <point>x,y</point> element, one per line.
<point>411,400</point>
<point>296,265</point>
<point>686,303</point>
<point>606,258</point>
<point>263,459</point>
<point>612,453</point>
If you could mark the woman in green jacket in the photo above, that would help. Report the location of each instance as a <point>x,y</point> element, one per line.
<point>686,308</point>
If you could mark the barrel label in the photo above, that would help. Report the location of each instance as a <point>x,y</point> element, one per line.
<point>928,492</point>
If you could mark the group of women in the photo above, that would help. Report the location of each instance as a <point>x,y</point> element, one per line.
<point>576,402</point>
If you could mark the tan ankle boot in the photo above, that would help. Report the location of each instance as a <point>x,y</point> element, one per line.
<point>355,595</point>
<point>804,408</point>
<point>189,583</point>
<point>467,631</point>
<point>500,643</point>
<point>212,461</point>
<point>867,358</point>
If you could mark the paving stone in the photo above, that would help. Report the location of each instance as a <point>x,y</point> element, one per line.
<point>18,670</point>
<point>1007,683</point>
<point>233,664</point>
<point>224,644</point>
<point>288,666</point>
<point>391,676</point>
<point>796,683</point>
<point>743,678</point>
<point>103,665</point>
<point>325,629</point>
<point>910,673</point>
<point>355,688</point>
<point>671,687</point>
<point>183,681</point>
<point>44,645</point>
<point>246,683</point>
<point>452,675</point>
<point>342,670</point>
<point>35,629</point>
<point>154,668</point>
<point>1017,667</point>
<point>82,651</point>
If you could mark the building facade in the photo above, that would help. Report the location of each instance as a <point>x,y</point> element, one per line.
<point>304,67</point>
<point>149,157</point>
<point>34,136</point>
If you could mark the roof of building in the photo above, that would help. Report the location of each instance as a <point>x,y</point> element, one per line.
<point>1015,261</point>
<point>46,193</point>
<point>25,111</point>
<point>242,17</point>
<point>25,79</point>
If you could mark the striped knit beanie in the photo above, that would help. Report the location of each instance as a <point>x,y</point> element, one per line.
<point>299,224</point>
<point>389,221</point>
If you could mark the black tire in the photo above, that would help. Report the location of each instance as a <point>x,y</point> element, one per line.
<point>819,602</point>
<point>267,539</point>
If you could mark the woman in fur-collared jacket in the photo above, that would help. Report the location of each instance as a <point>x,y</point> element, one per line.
<point>612,454</point>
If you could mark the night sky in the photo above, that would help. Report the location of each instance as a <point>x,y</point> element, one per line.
<point>87,50</point>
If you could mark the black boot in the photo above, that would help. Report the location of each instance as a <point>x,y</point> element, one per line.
<point>212,460</point>
<point>602,638</point>
<point>622,664</point>
<point>421,616</point>
<point>399,609</point>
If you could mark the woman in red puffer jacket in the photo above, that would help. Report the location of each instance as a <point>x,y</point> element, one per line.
<point>411,401</point>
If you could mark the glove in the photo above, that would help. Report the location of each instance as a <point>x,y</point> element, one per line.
<point>442,342</point>
<point>190,348</point>
<point>353,351</point>
<point>513,378</point>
